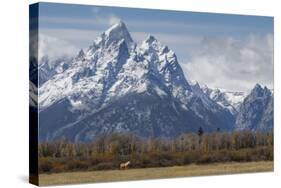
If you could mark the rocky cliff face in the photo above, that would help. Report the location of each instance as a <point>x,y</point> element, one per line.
<point>256,111</point>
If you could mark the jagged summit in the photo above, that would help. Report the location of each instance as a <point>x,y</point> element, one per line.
<point>259,91</point>
<point>152,45</point>
<point>120,25</point>
<point>118,32</point>
<point>115,35</point>
<point>256,111</point>
<point>150,39</point>
<point>153,41</point>
<point>194,83</point>
<point>80,55</point>
<point>257,86</point>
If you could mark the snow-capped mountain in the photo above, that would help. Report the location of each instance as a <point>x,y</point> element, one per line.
<point>117,85</point>
<point>48,68</point>
<point>230,100</point>
<point>256,111</point>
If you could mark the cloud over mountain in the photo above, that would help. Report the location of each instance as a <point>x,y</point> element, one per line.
<point>229,62</point>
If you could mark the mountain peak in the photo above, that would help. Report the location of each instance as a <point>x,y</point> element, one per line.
<point>257,87</point>
<point>259,91</point>
<point>194,83</point>
<point>150,39</point>
<point>117,26</point>
<point>151,43</point>
<point>80,55</point>
<point>256,111</point>
<point>118,32</point>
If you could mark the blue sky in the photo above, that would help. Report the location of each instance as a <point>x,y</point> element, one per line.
<point>198,39</point>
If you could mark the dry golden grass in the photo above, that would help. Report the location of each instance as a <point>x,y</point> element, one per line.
<point>154,173</point>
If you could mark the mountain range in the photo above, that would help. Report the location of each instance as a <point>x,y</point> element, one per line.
<point>117,85</point>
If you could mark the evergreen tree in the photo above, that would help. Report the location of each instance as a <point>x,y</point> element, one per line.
<point>200,131</point>
<point>200,134</point>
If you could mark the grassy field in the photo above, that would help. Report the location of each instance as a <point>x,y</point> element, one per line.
<point>154,173</point>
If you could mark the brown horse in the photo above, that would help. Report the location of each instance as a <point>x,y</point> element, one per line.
<point>124,165</point>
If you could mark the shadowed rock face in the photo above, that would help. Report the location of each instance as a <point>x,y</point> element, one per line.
<point>256,111</point>
<point>119,86</point>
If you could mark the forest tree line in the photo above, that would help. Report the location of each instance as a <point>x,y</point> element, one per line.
<point>108,151</point>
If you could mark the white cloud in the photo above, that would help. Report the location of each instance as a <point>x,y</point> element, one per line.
<point>233,64</point>
<point>54,47</point>
<point>78,37</point>
<point>113,19</point>
<point>108,19</point>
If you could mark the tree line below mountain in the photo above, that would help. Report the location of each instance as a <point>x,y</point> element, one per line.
<point>108,151</point>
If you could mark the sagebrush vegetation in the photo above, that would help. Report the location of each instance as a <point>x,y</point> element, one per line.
<point>108,151</point>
